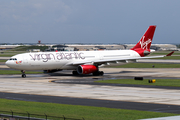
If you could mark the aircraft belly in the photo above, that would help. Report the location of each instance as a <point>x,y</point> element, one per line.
<point>41,65</point>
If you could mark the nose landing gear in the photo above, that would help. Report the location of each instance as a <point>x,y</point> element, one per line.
<point>23,74</point>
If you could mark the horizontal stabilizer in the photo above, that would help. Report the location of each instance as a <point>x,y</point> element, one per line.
<point>170,53</point>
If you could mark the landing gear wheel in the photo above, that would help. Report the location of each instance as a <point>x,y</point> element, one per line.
<point>75,73</point>
<point>23,74</point>
<point>101,73</point>
<point>95,74</point>
<point>98,73</point>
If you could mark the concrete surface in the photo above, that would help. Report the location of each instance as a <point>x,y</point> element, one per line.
<point>165,118</point>
<point>41,85</point>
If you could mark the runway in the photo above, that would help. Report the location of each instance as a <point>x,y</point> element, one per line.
<point>64,88</point>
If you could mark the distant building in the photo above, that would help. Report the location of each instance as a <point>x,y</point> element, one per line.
<point>165,47</point>
<point>60,48</point>
<point>95,47</point>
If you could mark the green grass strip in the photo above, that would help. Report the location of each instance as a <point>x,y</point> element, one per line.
<point>147,65</point>
<point>159,82</point>
<point>165,53</point>
<point>25,48</point>
<point>169,58</point>
<point>10,53</point>
<point>77,111</point>
<point>3,61</point>
<point>13,72</point>
<point>6,55</point>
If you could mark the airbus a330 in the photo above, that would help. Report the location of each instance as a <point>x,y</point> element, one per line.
<point>83,62</point>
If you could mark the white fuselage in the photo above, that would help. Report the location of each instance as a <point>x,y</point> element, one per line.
<point>64,59</point>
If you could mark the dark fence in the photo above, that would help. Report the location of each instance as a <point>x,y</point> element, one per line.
<point>29,116</point>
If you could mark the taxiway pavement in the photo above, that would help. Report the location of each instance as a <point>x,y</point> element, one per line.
<point>59,87</point>
<point>37,85</point>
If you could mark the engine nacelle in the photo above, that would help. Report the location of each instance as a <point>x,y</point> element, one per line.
<point>86,69</point>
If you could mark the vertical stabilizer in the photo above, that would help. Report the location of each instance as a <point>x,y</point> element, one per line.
<point>146,40</point>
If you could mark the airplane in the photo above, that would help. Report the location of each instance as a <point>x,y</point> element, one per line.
<point>83,62</point>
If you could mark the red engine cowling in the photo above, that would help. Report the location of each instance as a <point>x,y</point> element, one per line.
<point>86,69</point>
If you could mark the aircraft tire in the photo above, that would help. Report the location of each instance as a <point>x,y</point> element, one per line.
<point>101,73</point>
<point>23,75</point>
<point>75,73</point>
<point>98,73</point>
<point>95,73</point>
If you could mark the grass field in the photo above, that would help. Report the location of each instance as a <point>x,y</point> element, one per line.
<point>169,58</point>
<point>159,82</point>
<point>12,72</point>
<point>10,53</point>
<point>147,65</point>
<point>165,53</point>
<point>3,61</point>
<point>26,48</point>
<point>77,111</point>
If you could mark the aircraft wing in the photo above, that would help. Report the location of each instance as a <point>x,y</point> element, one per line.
<point>117,60</point>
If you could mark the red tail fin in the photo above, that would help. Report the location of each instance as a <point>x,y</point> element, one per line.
<point>145,41</point>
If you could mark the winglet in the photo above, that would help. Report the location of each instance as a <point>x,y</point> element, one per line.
<point>170,53</point>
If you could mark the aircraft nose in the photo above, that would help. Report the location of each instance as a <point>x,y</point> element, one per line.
<point>9,63</point>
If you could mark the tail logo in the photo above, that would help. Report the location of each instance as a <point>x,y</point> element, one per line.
<point>144,45</point>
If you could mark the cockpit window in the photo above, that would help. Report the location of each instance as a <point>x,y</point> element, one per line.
<point>12,59</point>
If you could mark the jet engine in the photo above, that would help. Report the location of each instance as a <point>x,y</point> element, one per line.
<point>86,69</point>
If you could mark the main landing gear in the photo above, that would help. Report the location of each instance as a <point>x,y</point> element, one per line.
<point>23,74</point>
<point>75,73</point>
<point>98,73</point>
